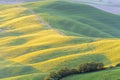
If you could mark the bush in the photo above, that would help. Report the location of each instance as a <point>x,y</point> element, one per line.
<point>118,65</point>
<point>65,72</point>
<point>110,67</point>
<point>88,67</point>
<point>74,71</point>
<point>52,76</point>
<point>61,73</point>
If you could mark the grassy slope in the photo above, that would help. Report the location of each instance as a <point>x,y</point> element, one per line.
<point>27,44</point>
<point>78,18</point>
<point>111,74</point>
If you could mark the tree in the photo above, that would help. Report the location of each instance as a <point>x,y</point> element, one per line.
<point>100,66</point>
<point>88,67</point>
<point>118,65</point>
<point>52,76</point>
<point>64,72</point>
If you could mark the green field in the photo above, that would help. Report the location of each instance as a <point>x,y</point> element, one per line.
<point>110,74</point>
<point>78,18</point>
<point>37,38</point>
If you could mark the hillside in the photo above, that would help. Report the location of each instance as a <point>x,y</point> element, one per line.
<point>39,37</point>
<point>99,2</point>
<point>111,9</point>
<point>102,75</point>
<point>110,6</point>
<point>78,19</point>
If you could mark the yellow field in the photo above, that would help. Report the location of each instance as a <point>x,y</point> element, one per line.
<point>26,40</point>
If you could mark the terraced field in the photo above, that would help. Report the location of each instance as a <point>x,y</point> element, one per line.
<point>30,50</point>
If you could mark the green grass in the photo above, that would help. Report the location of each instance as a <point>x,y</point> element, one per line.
<point>33,76</point>
<point>6,34</point>
<point>29,51</point>
<point>78,18</point>
<point>16,70</point>
<point>11,69</point>
<point>17,42</point>
<point>110,74</point>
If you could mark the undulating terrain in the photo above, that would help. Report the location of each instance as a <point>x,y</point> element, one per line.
<point>39,37</point>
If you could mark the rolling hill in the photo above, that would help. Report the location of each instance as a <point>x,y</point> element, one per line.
<point>39,37</point>
<point>78,19</point>
<point>104,75</point>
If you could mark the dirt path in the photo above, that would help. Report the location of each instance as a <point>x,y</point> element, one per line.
<point>42,21</point>
<point>1,30</point>
<point>45,23</point>
<point>39,18</point>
